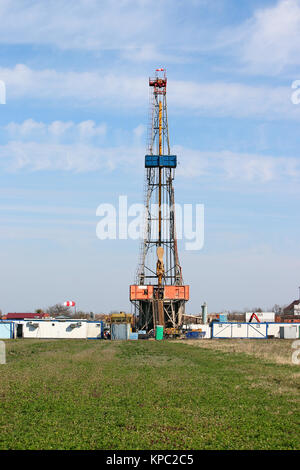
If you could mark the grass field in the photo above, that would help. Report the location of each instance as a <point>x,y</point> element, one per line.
<point>78,394</point>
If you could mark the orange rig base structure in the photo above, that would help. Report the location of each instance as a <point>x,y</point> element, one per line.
<point>169,292</point>
<point>159,305</point>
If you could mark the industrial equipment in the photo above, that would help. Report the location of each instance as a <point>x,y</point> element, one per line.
<point>172,332</point>
<point>254,316</point>
<point>159,295</point>
<point>121,317</point>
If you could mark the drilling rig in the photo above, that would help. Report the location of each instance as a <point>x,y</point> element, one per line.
<point>159,294</point>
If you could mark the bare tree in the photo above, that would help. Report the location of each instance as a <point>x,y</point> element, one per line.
<point>81,314</point>
<point>278,309</point>
<point>58,309</point>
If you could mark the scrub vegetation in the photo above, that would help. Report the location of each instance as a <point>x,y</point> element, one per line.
<point>89,394</point>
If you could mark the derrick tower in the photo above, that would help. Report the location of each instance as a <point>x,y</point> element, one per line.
<point>159,295</point>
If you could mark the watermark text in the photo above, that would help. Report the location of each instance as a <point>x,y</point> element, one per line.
<point>185,222</point>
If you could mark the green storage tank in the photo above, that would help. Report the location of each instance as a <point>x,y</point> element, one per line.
<point>159,332</point>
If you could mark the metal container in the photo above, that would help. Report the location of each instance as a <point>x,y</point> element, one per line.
<point>142,334</point>
<point>192,335</point>
<point>289,332</point>
<point>133,336</point>
<point>6,330</point>
<point>120,331</point>
<point>223,317</point>
<point>159,333</point>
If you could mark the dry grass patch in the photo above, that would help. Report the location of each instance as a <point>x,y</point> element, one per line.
<point>274,350</point>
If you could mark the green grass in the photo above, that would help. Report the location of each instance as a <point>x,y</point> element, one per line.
<point>77,394</point>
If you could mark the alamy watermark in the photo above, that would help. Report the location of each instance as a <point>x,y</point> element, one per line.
<point>128,222</point>
<point>295,96</point>
<point>2,92</point>
<point>2,352</point>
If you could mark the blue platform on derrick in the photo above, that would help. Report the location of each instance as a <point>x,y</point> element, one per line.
<point>166,161</point>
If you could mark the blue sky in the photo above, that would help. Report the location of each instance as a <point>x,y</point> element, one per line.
<point>73,136</point>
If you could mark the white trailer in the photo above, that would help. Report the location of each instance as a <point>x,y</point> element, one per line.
<point>239,330</point>
<point>289,332</point>
<point>51,329</point>
<point>255,330</point>
<point>94,329</point>
<point>274,329</point>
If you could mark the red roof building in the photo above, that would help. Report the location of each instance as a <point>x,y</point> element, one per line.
<point>293,308</point>
<point>21,316</point>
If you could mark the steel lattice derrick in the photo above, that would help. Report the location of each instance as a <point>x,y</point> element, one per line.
<point>159,261</point>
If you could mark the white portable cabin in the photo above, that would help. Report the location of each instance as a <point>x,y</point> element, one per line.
<point>289,332</point>
<point>254,330</point>
<point>274,329</point>
<point>94,329</point>
<point>239,330</point>
<point>51,329</point>
<point>58,329</point>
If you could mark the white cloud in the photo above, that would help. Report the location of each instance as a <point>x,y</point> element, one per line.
<point>169,32</point>
<point>84,24</point>
<point>233,99</point>
<point>152,53</point>
<point>59,130</point>
<point>28,127</point>
<point>268,42</point>
<point>233,166</point>
<point>77,157</point>
<point>110,89</point>
<point>88,129</point>
<point>136,29</point>
<point>139,131</point>
<point>130,92</point>
<point>80,153</point>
